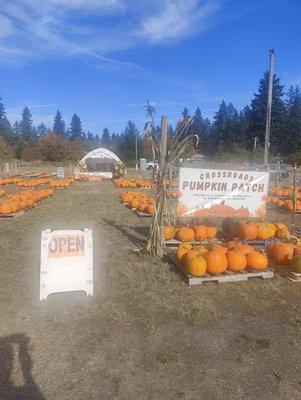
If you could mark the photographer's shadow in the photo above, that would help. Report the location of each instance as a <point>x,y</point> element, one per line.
<point>16,382</point>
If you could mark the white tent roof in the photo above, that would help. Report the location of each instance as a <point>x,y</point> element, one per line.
<point>100,153</point>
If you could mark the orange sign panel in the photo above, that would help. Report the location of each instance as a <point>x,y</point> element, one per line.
<point>66,245</point>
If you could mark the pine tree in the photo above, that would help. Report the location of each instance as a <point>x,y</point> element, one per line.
<point>26,126</point>
<point>6,131</point>
<point>97,140</point>
<point>41,129</point>
<point>170,131</point>
<point>59,125</point>
<point>258,111</point>
<point>75,127</point>
<point>106,138</point>
<point>292,143</point>
<point>128,139</point>
<point>185,113</point>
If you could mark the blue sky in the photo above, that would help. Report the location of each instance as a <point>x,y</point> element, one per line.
<point>104,58</point>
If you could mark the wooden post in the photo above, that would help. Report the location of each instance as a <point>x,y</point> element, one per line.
<point>269,108</point>
<point>161,183</point>
<point>294,198</point>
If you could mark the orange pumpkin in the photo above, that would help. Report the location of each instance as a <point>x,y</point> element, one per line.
<point>247,231</point>
<point>211,232</point>
<point>219,247</point>
<point>196,265</point>
<point>283,253</point>
<point>243,248</point>
<point>236,261</point>
<point>190,254</point>
<point>231,244</point>
<point>185,234</point>
<point>182,250</point>
<point>169,232</point>
<point>216,262</point>
<point>200,232</point>
<point>283,233</point>
<point>257,260</point>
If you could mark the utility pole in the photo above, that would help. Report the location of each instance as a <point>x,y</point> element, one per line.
<point>136,150</point>
<point>163,142</point>
<point>269,108</point>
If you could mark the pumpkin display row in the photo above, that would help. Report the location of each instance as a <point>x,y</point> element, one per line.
<point>216,259</point>
<point>131,183</point>
<point>285,254</point>
<point>17,202</point>
<point>252,230</point>
<point>285,191</point>
<point>285,204</point>
<point>59,183</point>
<point>2,192</point>
<point>32,182</point>
<point>189,234</point>
<point>140,201</point>
<point>9,181</point>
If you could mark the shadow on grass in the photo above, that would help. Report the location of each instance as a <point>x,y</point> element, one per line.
<point>15,364</point>
<point>125,230</point>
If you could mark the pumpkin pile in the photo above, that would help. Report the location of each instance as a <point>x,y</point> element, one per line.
<point>17,202</point>
<point>286,204</point>
<point>32,182</point>
<point>60,183</point>
<point>139,201</point>
<point>252,230</point>
<point>9,181</point>
<point>288,254</point>
<point>216,259</point>
<point>2,192</point>
<point>132,183</point>
<point>189,234</point>
<point>173,194</point>
<point>285,191</point>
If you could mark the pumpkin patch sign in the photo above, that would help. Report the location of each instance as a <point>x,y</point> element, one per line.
<point>222,193</point>
<point>66,262</point>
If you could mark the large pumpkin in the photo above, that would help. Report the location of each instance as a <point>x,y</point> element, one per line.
<point>200,232</point>
<point>216,262</point>
<point>247,231</point>
<point>236,261</point>
<point>182,250</point>
<point>169,232</point>
<point>185,234</point>
<point>196,265</point>
<point>265,231</point>
<point>257,260</point>
<point>190,254</point>
<point>283,253</point>
<point>211,232</point>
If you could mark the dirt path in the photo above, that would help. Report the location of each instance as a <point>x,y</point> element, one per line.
<point>143,335</point>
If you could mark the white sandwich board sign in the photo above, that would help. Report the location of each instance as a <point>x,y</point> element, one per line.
<point>66,262</point>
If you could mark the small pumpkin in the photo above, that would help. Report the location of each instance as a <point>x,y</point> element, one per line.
<point>257,260</point>
<point>283,233</point>
<point>265,231</point>
<point>196,265</point>
<point>244,248</point>
<point>211,232</point>
<point>237,261</point>
<point>216,262</point>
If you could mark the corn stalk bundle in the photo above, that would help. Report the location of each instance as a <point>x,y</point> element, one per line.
<point>164,209</point>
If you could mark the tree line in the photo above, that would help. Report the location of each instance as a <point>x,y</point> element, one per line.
<point>231,133</point>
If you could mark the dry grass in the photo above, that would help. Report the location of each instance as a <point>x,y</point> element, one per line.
<point>143,335</point>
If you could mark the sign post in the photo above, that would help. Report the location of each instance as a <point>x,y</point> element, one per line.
<point>222,193</point>
<point>66,262</point>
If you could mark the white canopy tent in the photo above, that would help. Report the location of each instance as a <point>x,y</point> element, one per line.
<point>98,163</point>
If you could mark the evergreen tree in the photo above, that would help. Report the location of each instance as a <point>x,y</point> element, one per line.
<point>26,126</point>
<point>170,131</point>
<point>59,124</point>
<point>258,112</point>
<point>6,131</point>
<point>128,139</point>
<point>292,142</point>
<point>97,140</point>
<point>106,138</point>
<point>41,129</point>
<point>185,113</point>
<point>75,127</point>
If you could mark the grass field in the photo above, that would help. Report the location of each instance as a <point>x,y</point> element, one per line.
<point>144,334</point>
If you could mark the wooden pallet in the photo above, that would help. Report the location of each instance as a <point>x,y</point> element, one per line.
<point>173,243</point>
<point>286,272</point>
<point>12,216</point>
<point>227,276</point>
<point>141,214</point>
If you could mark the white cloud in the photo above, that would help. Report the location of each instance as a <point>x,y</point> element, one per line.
<point>178,18</point>
<point>91,29</point>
